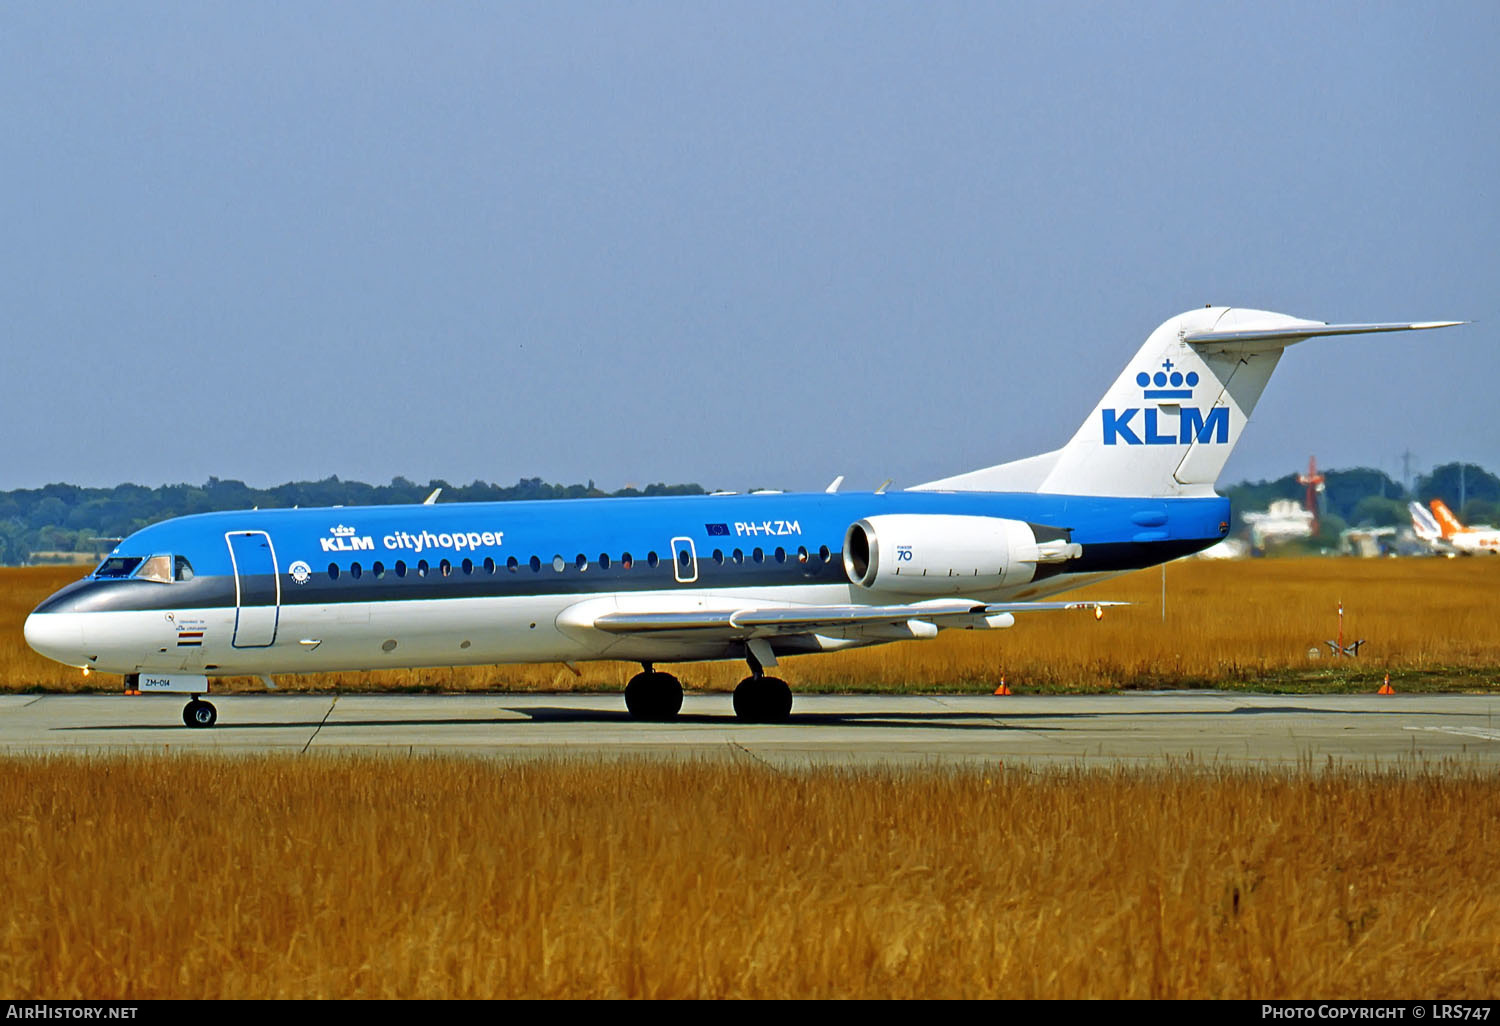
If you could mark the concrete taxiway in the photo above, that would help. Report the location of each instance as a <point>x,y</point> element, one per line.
<point>1203,728</point>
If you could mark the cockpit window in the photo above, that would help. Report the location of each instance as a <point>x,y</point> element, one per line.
<point>152,568</point>
<point>156,568</point>
<point>118,566</point>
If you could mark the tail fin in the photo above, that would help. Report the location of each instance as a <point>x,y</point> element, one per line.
<point>1423,523</point>
<point>1169,422</point>
<point>1450,523</point>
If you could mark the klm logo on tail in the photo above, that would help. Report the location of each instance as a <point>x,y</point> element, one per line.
<point>1172,386</point>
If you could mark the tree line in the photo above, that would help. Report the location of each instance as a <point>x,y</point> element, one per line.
<point>45,523</point>
<point>63,518</point>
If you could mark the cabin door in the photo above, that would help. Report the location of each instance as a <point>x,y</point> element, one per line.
<point>257,588</point>
<point>684,560</point>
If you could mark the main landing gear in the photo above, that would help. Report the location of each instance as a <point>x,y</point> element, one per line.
<point>652,695</point>
<point>198,713</point>
<point>657,696</point>
<point>762,699</point>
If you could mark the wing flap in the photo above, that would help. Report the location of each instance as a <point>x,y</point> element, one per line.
<point>761,623</point>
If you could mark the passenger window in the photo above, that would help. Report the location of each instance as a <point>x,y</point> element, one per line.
<point>558,563</point>
<point>378,569</point>
<point>489,565</point>
<point>445,567</point>
<point>400,568</point>
<point>157,568</point>
<point>512,564</point>
<point>536,565</point>
<point>738,557</point>
<point>355,571</point>
<point>626,562</point>
<point>824,554</point>
<point>582,562</point>
<point>802,553</point>
<point>780,554</point>
<point>758,555</point>
<point>333,571</point>
<point>468,565</point>
<point>719,556</point>
<point>184,569</point>
<point>421,568</point>
<point>604,561</point>
<point>651,559</point>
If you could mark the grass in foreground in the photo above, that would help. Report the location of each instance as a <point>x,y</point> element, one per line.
<point>1430,623</point>
<point>141,877</point>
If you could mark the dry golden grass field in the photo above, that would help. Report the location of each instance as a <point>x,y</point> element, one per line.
<point>155,876</point>
<point>1430,623</point>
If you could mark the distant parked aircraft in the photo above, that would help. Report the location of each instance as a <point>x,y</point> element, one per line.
<point>1481,539</point>
<point>1285,520</point>
<point>1425,526</point>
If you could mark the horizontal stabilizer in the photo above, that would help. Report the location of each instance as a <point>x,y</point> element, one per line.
<point>1288,334</point>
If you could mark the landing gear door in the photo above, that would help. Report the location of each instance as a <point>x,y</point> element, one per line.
<point>257,588</point>
<point>684,560</point>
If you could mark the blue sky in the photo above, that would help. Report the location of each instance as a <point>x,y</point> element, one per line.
<point>739,244</point>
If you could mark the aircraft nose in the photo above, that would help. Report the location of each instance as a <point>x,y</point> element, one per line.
<point>58,636</point>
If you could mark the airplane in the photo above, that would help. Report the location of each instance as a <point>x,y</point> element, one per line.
<point>1285,520</point>
<point>1481,539</point>
<point>751,577</point>
<point>1425,526</point>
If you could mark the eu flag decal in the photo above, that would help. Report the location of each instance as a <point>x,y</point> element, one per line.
<point>717,529</point>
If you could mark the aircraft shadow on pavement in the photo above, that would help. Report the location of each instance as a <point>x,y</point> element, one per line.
<point>937,719</point>
<point>549,714</point>
<point>544,715</point>
<point>224,725</point>
<point>946,719</point>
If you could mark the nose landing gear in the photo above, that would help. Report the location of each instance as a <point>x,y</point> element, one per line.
<point>199,713</point>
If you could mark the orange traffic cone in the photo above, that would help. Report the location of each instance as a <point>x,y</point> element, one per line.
<point>1386,689</point>
<point>1003,689</point>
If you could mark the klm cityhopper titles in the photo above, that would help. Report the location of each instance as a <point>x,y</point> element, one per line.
<point>752,577</point>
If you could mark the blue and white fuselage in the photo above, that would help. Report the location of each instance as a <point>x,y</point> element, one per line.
<point>364,588</point>
<point>658,580</point>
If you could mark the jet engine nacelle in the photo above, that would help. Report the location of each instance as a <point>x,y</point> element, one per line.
<point>939,554</point>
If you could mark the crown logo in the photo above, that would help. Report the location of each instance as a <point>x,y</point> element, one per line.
<point>342,532</point>
<point>1169,383</point>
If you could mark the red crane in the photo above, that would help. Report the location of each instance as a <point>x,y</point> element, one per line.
<point>1314,482</point>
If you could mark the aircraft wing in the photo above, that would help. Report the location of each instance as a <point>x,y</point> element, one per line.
<point>744,624</point>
